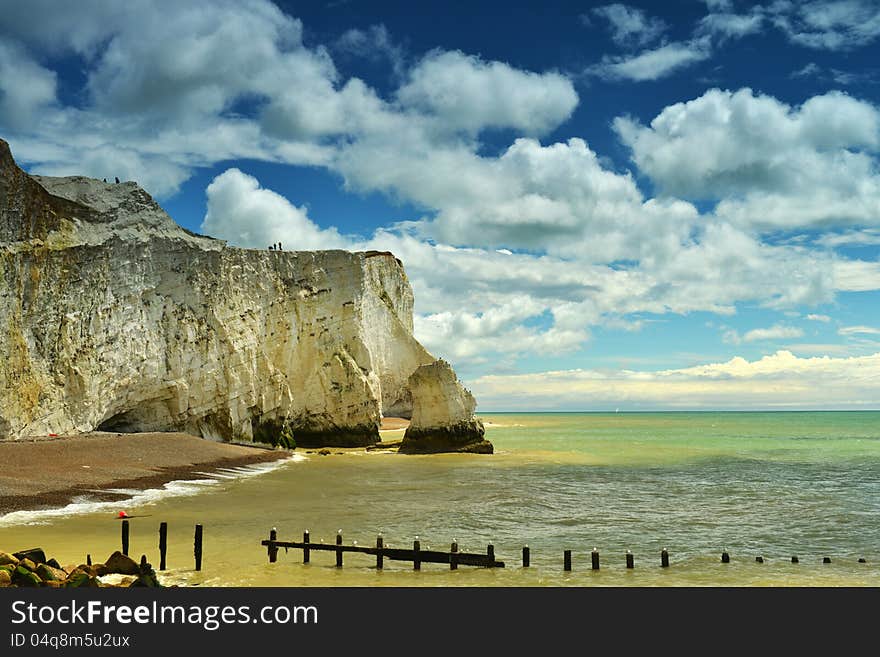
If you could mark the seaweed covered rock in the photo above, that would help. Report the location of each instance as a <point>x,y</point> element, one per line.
<point>24,577</point>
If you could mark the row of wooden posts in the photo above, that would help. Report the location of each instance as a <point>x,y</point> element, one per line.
<point>163,544</point>
<point>454,557</point>
<point>417,555</point>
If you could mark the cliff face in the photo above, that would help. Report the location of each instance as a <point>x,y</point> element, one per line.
<point>115,318</point>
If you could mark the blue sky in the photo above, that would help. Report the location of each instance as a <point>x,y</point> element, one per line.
<point>636,206</point>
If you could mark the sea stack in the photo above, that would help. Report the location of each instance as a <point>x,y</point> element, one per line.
<point>443,414</point>
<point>114,318</point>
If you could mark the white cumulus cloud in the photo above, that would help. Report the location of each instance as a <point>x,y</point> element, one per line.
<point>771,165</point>
<point>466,93</point>
<point>241,211</point>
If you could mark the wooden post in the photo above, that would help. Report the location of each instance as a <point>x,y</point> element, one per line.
<point>490,552</point>
<point>163,544</point>
<point>629,559</point>
<point>594,558</point>
<point>526,556</point>
<point>795,560</point>
<point>197,547</point>
<point>306,550</point>
<point>417,560</point>
<point>88,559</point>
<point>273,551</point>
<point>759,559</point>
<point>826,559</point>
<point>453,556</point>
<point>125,537</point>
<point>338,551</point>
<point>664,558</point>
<point>725,557</point>
<point>144,563</point>
<point>566,560</point>
<point>380,543</point>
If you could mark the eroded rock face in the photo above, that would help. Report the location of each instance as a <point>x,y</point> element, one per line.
<point>114,318</point>
<point>443,414</point>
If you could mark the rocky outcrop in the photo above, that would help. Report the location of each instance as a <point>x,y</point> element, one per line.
<point>115,318</point>
<point>443,414</point>
<point>25,572</point>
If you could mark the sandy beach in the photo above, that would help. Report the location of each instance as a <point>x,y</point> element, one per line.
<point>50,472</point>
<point>393,424</point>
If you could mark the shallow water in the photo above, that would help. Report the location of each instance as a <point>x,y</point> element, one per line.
<point>769,484</point>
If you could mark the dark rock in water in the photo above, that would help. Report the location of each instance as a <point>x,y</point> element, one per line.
<point>54,564</point>
<point>23,577</point>
<point>465,437</point>
<point>122,564</point>
<point>482,447</point>
<point>34,554</point>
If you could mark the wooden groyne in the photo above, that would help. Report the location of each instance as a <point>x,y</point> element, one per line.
<point>416,554</point>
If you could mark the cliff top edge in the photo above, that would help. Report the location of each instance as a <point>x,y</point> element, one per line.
<point>124,209</point>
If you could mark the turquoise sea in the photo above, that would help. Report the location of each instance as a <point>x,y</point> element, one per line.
<point>771,484</point>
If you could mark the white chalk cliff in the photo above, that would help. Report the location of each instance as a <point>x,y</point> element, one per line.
<point>113,317</point>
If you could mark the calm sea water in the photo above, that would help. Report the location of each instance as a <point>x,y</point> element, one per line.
<point>754,484</point>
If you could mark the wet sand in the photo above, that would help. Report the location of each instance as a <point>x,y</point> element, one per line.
<point>52,471</point>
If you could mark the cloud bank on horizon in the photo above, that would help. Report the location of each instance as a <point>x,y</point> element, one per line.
<point>552,241</point>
